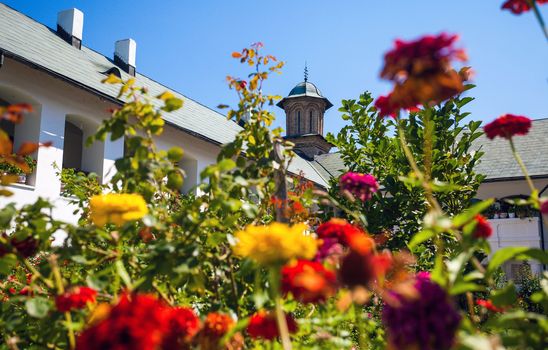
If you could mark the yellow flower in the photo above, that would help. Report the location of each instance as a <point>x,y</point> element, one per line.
<point>117,208</point>
<point>276,243</point>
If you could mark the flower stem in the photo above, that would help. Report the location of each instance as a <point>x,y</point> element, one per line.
<point>540,20</point>
<point>60,290</point>
<point>279,312</point>
<point>359,325</point>
<point>522,166</point>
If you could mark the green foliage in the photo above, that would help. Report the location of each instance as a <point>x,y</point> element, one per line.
<point>369,144</point>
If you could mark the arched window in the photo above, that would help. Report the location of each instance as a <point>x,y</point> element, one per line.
<point>310,117</point>
<point>298,122</point>
<point>72,154</point>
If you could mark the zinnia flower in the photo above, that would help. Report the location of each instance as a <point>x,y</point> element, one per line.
<point>361,186</point>
<point>140,322</point>
<point>275,244</point>
<point>117,208</point>
<point>427,322</point>
<point>263,325</point>
<point>308,281</point>
<point>421,70</point>
<point>26,247</point>
<point>519,6</point>
<point>483,228</point>
<point>544,205</point>
<point>507,125</point>
<point>388,107</point>
<point>339,229</point>
<point>75,298</point>
<point>183,326</point>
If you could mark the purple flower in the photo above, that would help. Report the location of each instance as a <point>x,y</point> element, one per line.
<point>361,186</point>
<point>428,322</point>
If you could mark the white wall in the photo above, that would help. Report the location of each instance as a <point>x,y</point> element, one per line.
<point>55,100</point>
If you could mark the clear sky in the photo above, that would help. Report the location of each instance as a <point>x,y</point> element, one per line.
<point>186,44</point>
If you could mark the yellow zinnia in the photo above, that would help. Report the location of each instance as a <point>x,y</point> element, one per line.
<point>116,208</point>
<point>274,244</point>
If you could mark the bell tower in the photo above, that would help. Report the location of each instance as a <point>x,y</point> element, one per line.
<point>304,111</point>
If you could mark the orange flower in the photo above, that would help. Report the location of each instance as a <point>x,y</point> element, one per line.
<point>308,281</point>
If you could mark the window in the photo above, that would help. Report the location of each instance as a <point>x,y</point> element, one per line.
<point>72,154</point>
<point>298,122</point>
<point>6,125</point>
<point>310,130</point>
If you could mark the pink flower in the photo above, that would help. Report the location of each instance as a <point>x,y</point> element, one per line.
<point>361,186</point>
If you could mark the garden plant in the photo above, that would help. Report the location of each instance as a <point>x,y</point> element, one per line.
<point>256,257</point>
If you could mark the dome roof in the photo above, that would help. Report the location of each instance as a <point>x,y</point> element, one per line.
<point>305,88</point>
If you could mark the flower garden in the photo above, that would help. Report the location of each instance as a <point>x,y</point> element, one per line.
<point>391,256</point>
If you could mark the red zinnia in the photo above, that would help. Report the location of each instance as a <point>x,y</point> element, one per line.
<point>507,125</point>
<point>263,325</point>
<point>544,205</point>
<point>361,186</point>
<point>183,326</point>
<point>483,229</point>
<point>137,322</point>
<point>308,281</point>
<point>519,6</point>
<point>337,228</point>
<point>388,107</point>
<point>427,55</point>
<point>75,298</point>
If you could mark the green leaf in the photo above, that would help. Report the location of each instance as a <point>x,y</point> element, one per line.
<point>505,296</point>
<point>420,237</point>
<point>122,272</point>
<point>226,164</point>
<point>7,263</point>
<point>516,253</point>
<point>175,154</point>
<point>38,307</point>
<point>471,212</point>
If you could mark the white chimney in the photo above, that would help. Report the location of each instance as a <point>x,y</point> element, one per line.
<point>70,26</point>
<point>125,52</point>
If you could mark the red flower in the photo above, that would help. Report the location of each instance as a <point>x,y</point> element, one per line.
<point>489,305</point>
<point>137,322</point>
<point>427,55</point>
<point>76,298</point>
<point>361,186</point>
<point>544,205</point>
<point>388,107</point>
<point>340,229</point>
<point>507,125</point>
<point>26,291</point>
<point>308,281</point>
<point>483,228</point>
<point>216,325</point>
<point>27,247</point>
<point>183,326</point>
<point>519,6</point>
<point>359,269</point>
<point>263,325</point>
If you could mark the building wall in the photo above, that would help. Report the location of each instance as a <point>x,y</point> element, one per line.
<point>55,101</point>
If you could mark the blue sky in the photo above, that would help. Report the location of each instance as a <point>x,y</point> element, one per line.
<point>186,45</point>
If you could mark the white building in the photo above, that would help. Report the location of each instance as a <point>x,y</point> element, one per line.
<point>61,78</point>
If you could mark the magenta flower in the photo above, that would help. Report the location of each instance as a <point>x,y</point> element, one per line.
<point>428,322</point>
<point>361,186</point>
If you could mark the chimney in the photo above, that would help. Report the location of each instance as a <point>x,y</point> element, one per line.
<point>70,25</point>
<point>124,55</point>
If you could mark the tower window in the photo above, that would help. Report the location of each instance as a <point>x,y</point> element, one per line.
<point>310,122</point>
<point>298,122</point>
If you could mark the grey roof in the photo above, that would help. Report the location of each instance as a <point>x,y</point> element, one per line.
<point>27,40</point>
<point>305,89</point>
<point>498,162</point>
<point>329,165</point>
